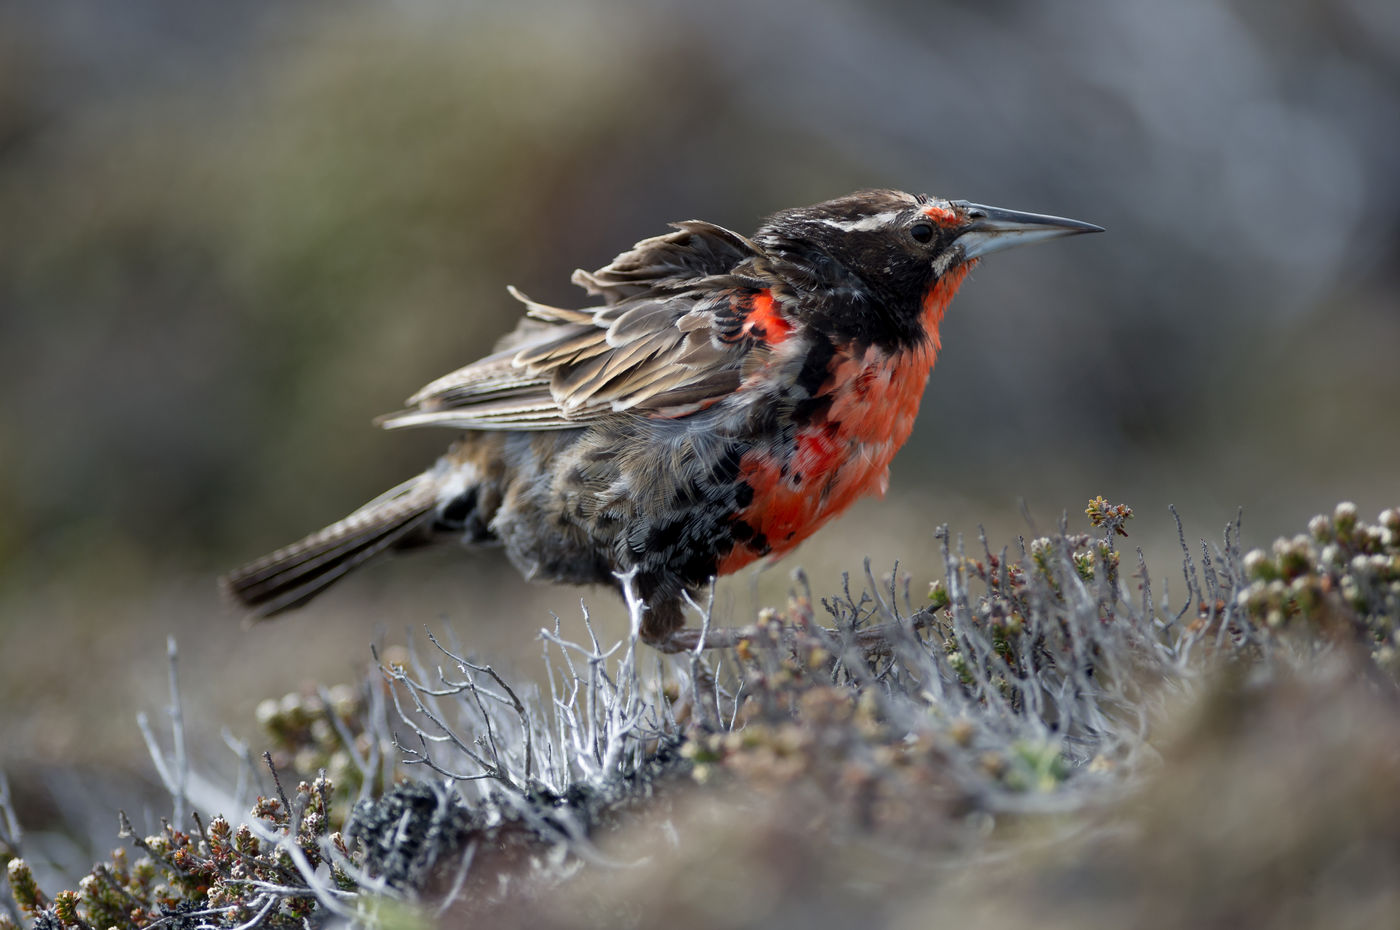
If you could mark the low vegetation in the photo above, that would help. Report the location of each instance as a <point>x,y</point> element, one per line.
<point>1041,736</point>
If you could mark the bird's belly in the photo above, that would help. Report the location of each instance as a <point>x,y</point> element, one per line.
<point>830,462</point>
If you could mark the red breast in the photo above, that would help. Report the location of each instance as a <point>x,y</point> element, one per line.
<point>844,455</point>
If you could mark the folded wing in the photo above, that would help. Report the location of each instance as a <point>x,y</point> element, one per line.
<point>669,340</point>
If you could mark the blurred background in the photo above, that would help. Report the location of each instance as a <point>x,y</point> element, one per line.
<point>231,234</point>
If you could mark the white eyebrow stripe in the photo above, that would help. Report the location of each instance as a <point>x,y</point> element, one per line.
<point>865,223</point>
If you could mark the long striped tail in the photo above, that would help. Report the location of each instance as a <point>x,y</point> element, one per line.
<point>295,574</point>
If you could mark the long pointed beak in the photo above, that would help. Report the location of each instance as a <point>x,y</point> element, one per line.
<point>991,229</point>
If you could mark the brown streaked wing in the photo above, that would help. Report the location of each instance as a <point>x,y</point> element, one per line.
<point>653,347</point>
<point>640,355</point>
<point>695,250</point>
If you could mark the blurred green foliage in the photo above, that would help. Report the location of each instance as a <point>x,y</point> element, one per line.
<point>212,304</point>
<point>231,234</point>
<point>232,238</point>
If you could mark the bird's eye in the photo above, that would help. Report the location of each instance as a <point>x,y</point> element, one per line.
<point>922,232</point>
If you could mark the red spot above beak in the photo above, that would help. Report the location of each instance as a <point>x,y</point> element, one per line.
<point>941,215</point>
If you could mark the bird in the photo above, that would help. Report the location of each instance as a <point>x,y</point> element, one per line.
<point>719,399</point>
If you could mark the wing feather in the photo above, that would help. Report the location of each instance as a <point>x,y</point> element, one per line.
<point>667,340</point>
<point>695,250</point>
<point>575,347</point>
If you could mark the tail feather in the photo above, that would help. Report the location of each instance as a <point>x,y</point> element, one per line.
<point>294,574</point>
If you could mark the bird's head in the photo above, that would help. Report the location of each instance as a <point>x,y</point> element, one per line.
<point>870,263</point>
